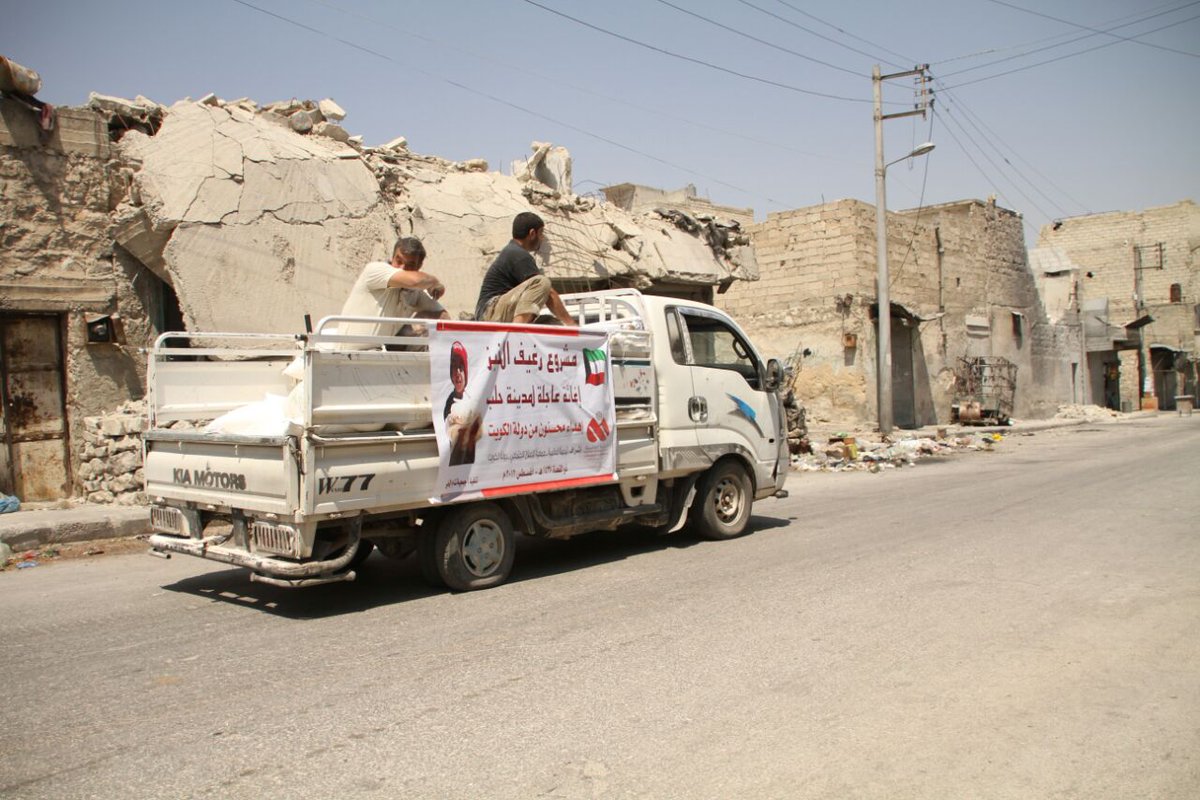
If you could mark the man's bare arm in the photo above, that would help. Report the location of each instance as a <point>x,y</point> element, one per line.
<point>555,304</point>
<point>415,279</point>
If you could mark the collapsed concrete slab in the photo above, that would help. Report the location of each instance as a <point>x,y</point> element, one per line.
<point>239,207</point>
<point>229,202</point>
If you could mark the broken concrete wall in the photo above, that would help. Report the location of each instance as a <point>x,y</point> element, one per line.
<point>642,199</point>
<point>58,259</point>
<point>265,226</point>
<point>958,273</point>
<point>270,212</point>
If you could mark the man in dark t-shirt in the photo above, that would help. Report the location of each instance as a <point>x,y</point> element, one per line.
<point>513,288</point>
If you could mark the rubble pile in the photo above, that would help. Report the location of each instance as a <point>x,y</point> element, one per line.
<point>111,469</point>
<point>1089,413</point>
<point>845,454</point>
<point>284,196</point>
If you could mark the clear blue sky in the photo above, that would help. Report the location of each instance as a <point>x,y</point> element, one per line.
<point>1116,127</point>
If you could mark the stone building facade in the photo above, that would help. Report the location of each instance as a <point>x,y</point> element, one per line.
<point>75,310</point>
<point>960,287</point>
<point>1139,289</point>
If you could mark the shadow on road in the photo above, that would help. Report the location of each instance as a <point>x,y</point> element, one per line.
<point>382,581</point>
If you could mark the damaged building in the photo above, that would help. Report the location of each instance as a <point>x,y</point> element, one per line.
<point>1137,284</point>
<point>961,288</point>
<point>126,219</point>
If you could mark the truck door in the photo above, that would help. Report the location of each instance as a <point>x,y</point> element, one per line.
<point>677,412</point>
<point>731,408</point>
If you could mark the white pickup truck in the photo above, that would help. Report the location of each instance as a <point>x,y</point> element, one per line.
<point>700,435</point>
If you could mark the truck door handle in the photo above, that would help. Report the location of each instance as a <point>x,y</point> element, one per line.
<point>698,408</point>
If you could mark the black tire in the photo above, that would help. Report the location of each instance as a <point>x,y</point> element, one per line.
<point>721,508</point>
<point>471,547</point>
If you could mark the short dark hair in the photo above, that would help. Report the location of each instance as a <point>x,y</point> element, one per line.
<point>409,246</point>
<point>525,222</point>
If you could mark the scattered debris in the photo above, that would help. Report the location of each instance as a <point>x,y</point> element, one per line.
<point>845,453</point>
<point>8,504</point>
<point>1090,413</point>
<point>86,549</point>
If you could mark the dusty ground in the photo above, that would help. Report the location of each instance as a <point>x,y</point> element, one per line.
<point>49,554</point>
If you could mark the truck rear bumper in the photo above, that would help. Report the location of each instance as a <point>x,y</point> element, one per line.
<point>287,571</point>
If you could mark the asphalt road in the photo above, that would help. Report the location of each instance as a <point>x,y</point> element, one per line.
<point>1016,624</point>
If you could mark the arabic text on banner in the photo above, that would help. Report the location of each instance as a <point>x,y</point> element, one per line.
<point>520,408</point>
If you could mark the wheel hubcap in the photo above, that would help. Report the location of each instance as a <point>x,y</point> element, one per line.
<point>728,501</point>
<point>483,548</point>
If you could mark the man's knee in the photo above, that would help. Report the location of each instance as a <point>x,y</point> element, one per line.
<point>537,287</point>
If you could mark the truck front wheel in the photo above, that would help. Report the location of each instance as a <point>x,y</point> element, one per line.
<point>723,500</point>
<point>472,547</point>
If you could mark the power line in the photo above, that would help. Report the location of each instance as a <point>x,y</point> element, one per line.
<point>809,31</point>
<point>1004,158</point>
<point>504,102</point>
<point>977,122</point>
<point>1068,55</point>
<point>1077,39</point>
<point>560,82</point>
<point>986,177</point>
<point>1093,30</point>
<point>839,30</point>
<point>912,237</point>
<point>701,62</point>
<point>1123,19</point>
<point>752,38</point>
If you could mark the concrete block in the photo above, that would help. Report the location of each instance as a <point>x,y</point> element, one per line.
<point>331,110</point>
<point>331,131</point>
<point>301,121</point>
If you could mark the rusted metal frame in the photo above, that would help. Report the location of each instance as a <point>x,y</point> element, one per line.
<point>280,568</point>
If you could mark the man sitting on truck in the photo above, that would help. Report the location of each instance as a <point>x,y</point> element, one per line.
<point>513,288</point>
<point>396,289</point>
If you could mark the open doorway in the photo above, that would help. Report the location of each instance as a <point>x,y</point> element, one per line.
<point>912,395</point>
<point>1166,377</point>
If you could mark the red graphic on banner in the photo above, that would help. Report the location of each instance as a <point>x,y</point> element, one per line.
<point>598,430</point>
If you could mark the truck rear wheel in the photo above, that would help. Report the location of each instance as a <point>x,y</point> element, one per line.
<point>472,547</point>
<point>723,501</point>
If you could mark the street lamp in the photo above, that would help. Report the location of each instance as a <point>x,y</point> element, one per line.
<point>883,361</point>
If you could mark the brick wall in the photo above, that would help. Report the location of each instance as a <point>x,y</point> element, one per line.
<point>1104,247</point>
<point>946,263</point>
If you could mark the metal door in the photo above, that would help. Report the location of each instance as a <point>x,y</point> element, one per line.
<point>33,429</point>
<point>904,403</point>
<point>732,408</point>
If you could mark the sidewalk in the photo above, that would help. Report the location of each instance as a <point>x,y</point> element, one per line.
<point>29,530</point>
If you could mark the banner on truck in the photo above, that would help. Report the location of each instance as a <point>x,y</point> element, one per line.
<point>520,408</point>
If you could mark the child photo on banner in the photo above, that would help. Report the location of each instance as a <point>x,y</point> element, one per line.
<point>520,408</point>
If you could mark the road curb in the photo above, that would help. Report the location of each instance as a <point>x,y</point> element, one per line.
<point>27,530</point>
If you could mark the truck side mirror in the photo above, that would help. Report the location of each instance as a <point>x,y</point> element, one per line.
<point>774,375</point>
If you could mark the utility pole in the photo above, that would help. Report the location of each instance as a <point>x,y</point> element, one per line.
<point>883,361</point>
<point>1146,393</point>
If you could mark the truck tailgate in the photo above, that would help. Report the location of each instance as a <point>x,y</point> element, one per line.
<point>258,473</point>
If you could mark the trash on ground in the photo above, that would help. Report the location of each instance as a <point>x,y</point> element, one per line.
<point>845,453</point>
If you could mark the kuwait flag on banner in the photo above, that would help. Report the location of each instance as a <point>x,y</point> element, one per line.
<point>595,363</point>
